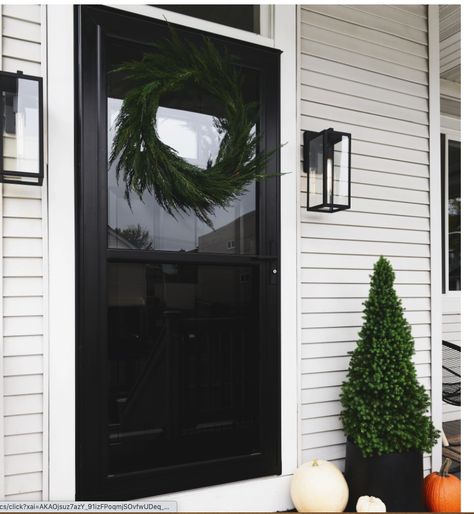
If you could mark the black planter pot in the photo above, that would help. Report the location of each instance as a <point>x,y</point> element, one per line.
<point>397,479</point>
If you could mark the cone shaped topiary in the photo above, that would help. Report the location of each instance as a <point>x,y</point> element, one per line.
<point>384,406</point>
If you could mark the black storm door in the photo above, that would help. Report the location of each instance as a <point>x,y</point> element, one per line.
<point>178,375</point>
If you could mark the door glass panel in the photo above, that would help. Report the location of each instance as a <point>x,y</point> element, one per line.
<point>183,364</point>
<point>454,215</point>
<point>185,121</point>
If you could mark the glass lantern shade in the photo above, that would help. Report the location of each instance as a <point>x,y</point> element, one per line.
<point>21,126</point>
<point>327,163</point>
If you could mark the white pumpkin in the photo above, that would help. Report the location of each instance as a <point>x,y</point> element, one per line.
<point>370,504</point>
<point>319,486</point>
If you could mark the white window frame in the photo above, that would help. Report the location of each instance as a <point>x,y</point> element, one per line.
<point>450,135</point>
<point>268,493</point>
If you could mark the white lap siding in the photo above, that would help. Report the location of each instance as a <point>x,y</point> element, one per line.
<point>23,285</point>
<point>364,70</point>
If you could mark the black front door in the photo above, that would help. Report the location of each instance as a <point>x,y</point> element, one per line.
<point>178,323</point>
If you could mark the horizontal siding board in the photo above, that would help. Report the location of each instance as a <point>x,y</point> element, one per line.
<point>22,208</point>
<point>341,349</point>
<point>22,365</point>
<point>360,133</point>
<point>315,410</point>
<point>333,452</point>
<point>389,152</point>
<point>376,192</point>
<point>418,10</point>
<point>315,425</point>
<point>390,166</point>
<point>16,247</point>
<point>342,276</point>
<point>23,326</point>
<point>329,379</point>
<point>371,48</point>
<point>31,13</point>
<point>33,496</point>
<point>21,50</point>
<point>323,365</point>
<point>365,19</point>
<point>355,103</point>
<point>21,29</point>
<point>363,76</point>
<point>26,424</point>
<point>364,33</point>
<point>24,483</point>
<point>320,80</point>
<point>364,219</point>
<point>452,74</point>
<point>351,58</point>
<point>23,384</point>
<point>452,318</point>
<point>390,180</point>
<point>360,290</point>
<point>351,319</point>
<point>336,378</point>
<point>22,286</point>
<point>20,191</point>
<point>344,305</point>
<point>394,15</point>
<point>323,439</point>
<point>22,267</point>
<point>26,66</point>
<point>375,248</point>
<point>23,306</point>
<point>384,206</point>
<point>361,262</point>
<point>324,394</point>
<point>345,333</point>
<point>23,463</point>
<point>388,235</point>
<point>22,227</point>
<point>341,363</point>
<point>23,404</point>
<point>320,110</point>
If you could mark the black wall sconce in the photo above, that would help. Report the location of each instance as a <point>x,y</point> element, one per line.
<point>21,129</point>
<point>327,163</point>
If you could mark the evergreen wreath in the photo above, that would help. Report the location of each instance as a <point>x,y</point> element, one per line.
<point>384,406</point>
<point>148,164</point>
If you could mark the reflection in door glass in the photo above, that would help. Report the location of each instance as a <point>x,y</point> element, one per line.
<point>454,215</point>
<point>185,122</point>
<point>183,364</point>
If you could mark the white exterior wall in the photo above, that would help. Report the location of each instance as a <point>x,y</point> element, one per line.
<point>364,70</point>
<point>22,263</point>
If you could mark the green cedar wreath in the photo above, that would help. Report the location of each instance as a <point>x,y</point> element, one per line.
<point>148,164</point>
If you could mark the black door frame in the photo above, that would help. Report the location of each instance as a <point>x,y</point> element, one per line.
<point>93,25</point>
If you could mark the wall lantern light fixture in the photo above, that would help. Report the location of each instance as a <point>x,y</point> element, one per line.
<point>327,163</point>
<point>21,129</point>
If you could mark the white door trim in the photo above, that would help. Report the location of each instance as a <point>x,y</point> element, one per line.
<point>61,216</point>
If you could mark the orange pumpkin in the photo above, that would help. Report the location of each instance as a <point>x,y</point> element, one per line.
<point>443,491</point>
